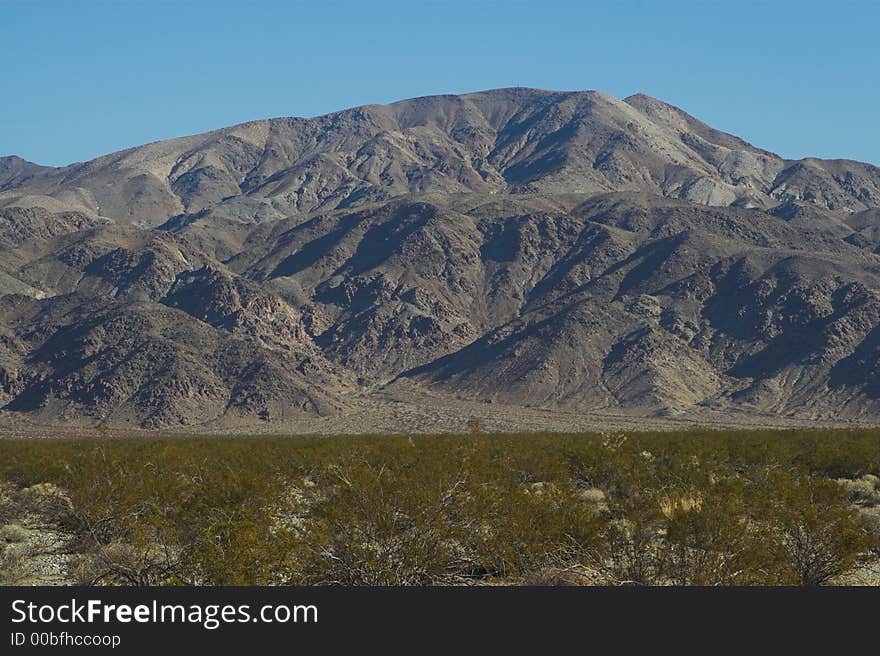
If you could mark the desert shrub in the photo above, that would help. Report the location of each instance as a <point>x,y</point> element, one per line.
<point>47,500</point>
<point>382,525</point>
<point>714,538</point>
<point>9,509</point>
<point>692,507</point>
<point>474,426</point>
<point>816,535</point>
<point>872,517</point>
<point>632,551</point>
<point>119,563</point>
<point>437,515</point>
<point>13,533</point>
<point>522,529</point>
<point>864,491</point>
<point>225,529</point>
<point>528,514</point>
<point>12,565</point>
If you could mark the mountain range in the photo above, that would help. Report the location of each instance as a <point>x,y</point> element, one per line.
<point>564,253</point>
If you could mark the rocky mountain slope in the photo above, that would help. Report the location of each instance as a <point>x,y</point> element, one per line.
<point>567,251</point>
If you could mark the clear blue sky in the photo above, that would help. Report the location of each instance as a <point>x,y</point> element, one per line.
<point>83,78</point>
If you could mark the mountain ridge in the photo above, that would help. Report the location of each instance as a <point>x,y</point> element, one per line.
<point>292,164</point>
<point>515,248</point>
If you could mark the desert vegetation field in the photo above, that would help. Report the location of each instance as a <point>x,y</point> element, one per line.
<point>693,507</point>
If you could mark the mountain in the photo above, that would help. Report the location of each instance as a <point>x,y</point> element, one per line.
<point>567,252</point>
<point>510,141</point>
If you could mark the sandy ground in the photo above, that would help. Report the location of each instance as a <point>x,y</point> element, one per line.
<point>417,411</point>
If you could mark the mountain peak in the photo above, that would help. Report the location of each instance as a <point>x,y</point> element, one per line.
<point>15,171</point>
<point>513,140</point>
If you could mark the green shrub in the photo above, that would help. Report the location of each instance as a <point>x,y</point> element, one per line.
<point>816,534</point>
<point>697,507</point>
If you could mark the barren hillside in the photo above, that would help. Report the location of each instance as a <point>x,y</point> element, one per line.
<point>562,251</point>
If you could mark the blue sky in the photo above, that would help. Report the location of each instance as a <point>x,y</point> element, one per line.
<point>83,78</point>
